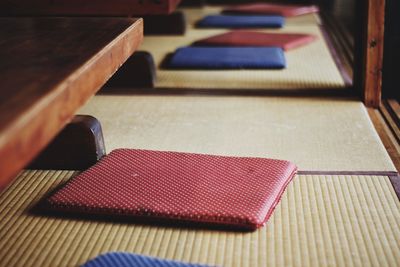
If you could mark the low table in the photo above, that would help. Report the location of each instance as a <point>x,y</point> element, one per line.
<point>49,67</point>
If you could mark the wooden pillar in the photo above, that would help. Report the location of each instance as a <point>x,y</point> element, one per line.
<point>369,50</point>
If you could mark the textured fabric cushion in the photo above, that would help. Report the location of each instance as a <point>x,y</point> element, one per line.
<point>228,58</point>
<point>171,186</point>
<point>240,21</point>
<point>272,9</point>
<point>286,41</point>
<point>123,259</point>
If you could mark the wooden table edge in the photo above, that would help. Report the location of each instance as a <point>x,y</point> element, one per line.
<point>25,137</point>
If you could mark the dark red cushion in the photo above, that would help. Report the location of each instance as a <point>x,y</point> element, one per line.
<point>233,191</point>
<point>285,41</point>
<point>272,9</point>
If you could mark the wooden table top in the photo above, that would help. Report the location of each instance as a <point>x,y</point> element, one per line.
<point>49,67</point>
<point>85,7</point>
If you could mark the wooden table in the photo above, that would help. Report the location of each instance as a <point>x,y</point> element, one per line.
<point>49,67</point>
<point>88,7</point>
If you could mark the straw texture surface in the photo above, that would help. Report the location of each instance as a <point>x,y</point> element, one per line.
<point>321,221</point>
<point>311,66</point>
<point>195,14</point>
<point>316,134</point>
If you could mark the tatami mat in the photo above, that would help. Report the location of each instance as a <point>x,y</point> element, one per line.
<point>321,221</point>
<point>317,134</point>
<point>309,67</point>
<point>196,13</point>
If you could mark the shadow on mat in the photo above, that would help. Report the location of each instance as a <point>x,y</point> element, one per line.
<point>347,92</point>
<point>43,209</point>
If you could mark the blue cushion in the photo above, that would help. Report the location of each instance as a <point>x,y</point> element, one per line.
<point>123,259</point>
<point>228,58</point>
<point>240,21</point>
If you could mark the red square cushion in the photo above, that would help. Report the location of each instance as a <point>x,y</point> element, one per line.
<point>285,41</point>
<point>234,191</point>
<point>272,9</point>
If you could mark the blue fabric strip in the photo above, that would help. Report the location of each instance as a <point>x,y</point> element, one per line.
<point>240,21</point>
<point>228,58</point>
<point>123,259</point>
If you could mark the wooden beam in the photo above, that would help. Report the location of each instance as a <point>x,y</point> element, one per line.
<point>371,62</point>
<point>88,7</point>
<point>386,135</point>
<point>49,68</point>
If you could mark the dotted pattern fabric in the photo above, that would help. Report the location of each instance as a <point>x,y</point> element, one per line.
<point>237,191</point>
<point>122,259</point>
<point>258,39</point>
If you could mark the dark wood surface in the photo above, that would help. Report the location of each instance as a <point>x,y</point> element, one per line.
<point>386,135</point>
<point>77,147</point>
<point>369,44</point>
<point>395,107</point>
<point>139,71</point>
<point>88,7</point>
<point>390,110</point>
<point>173,24</point>
<point>338,52</point>
<point>193,3</point>
<point>390,75</point>
<point>374,52</point>
<point>49,67</point>
<point>360,27</point>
